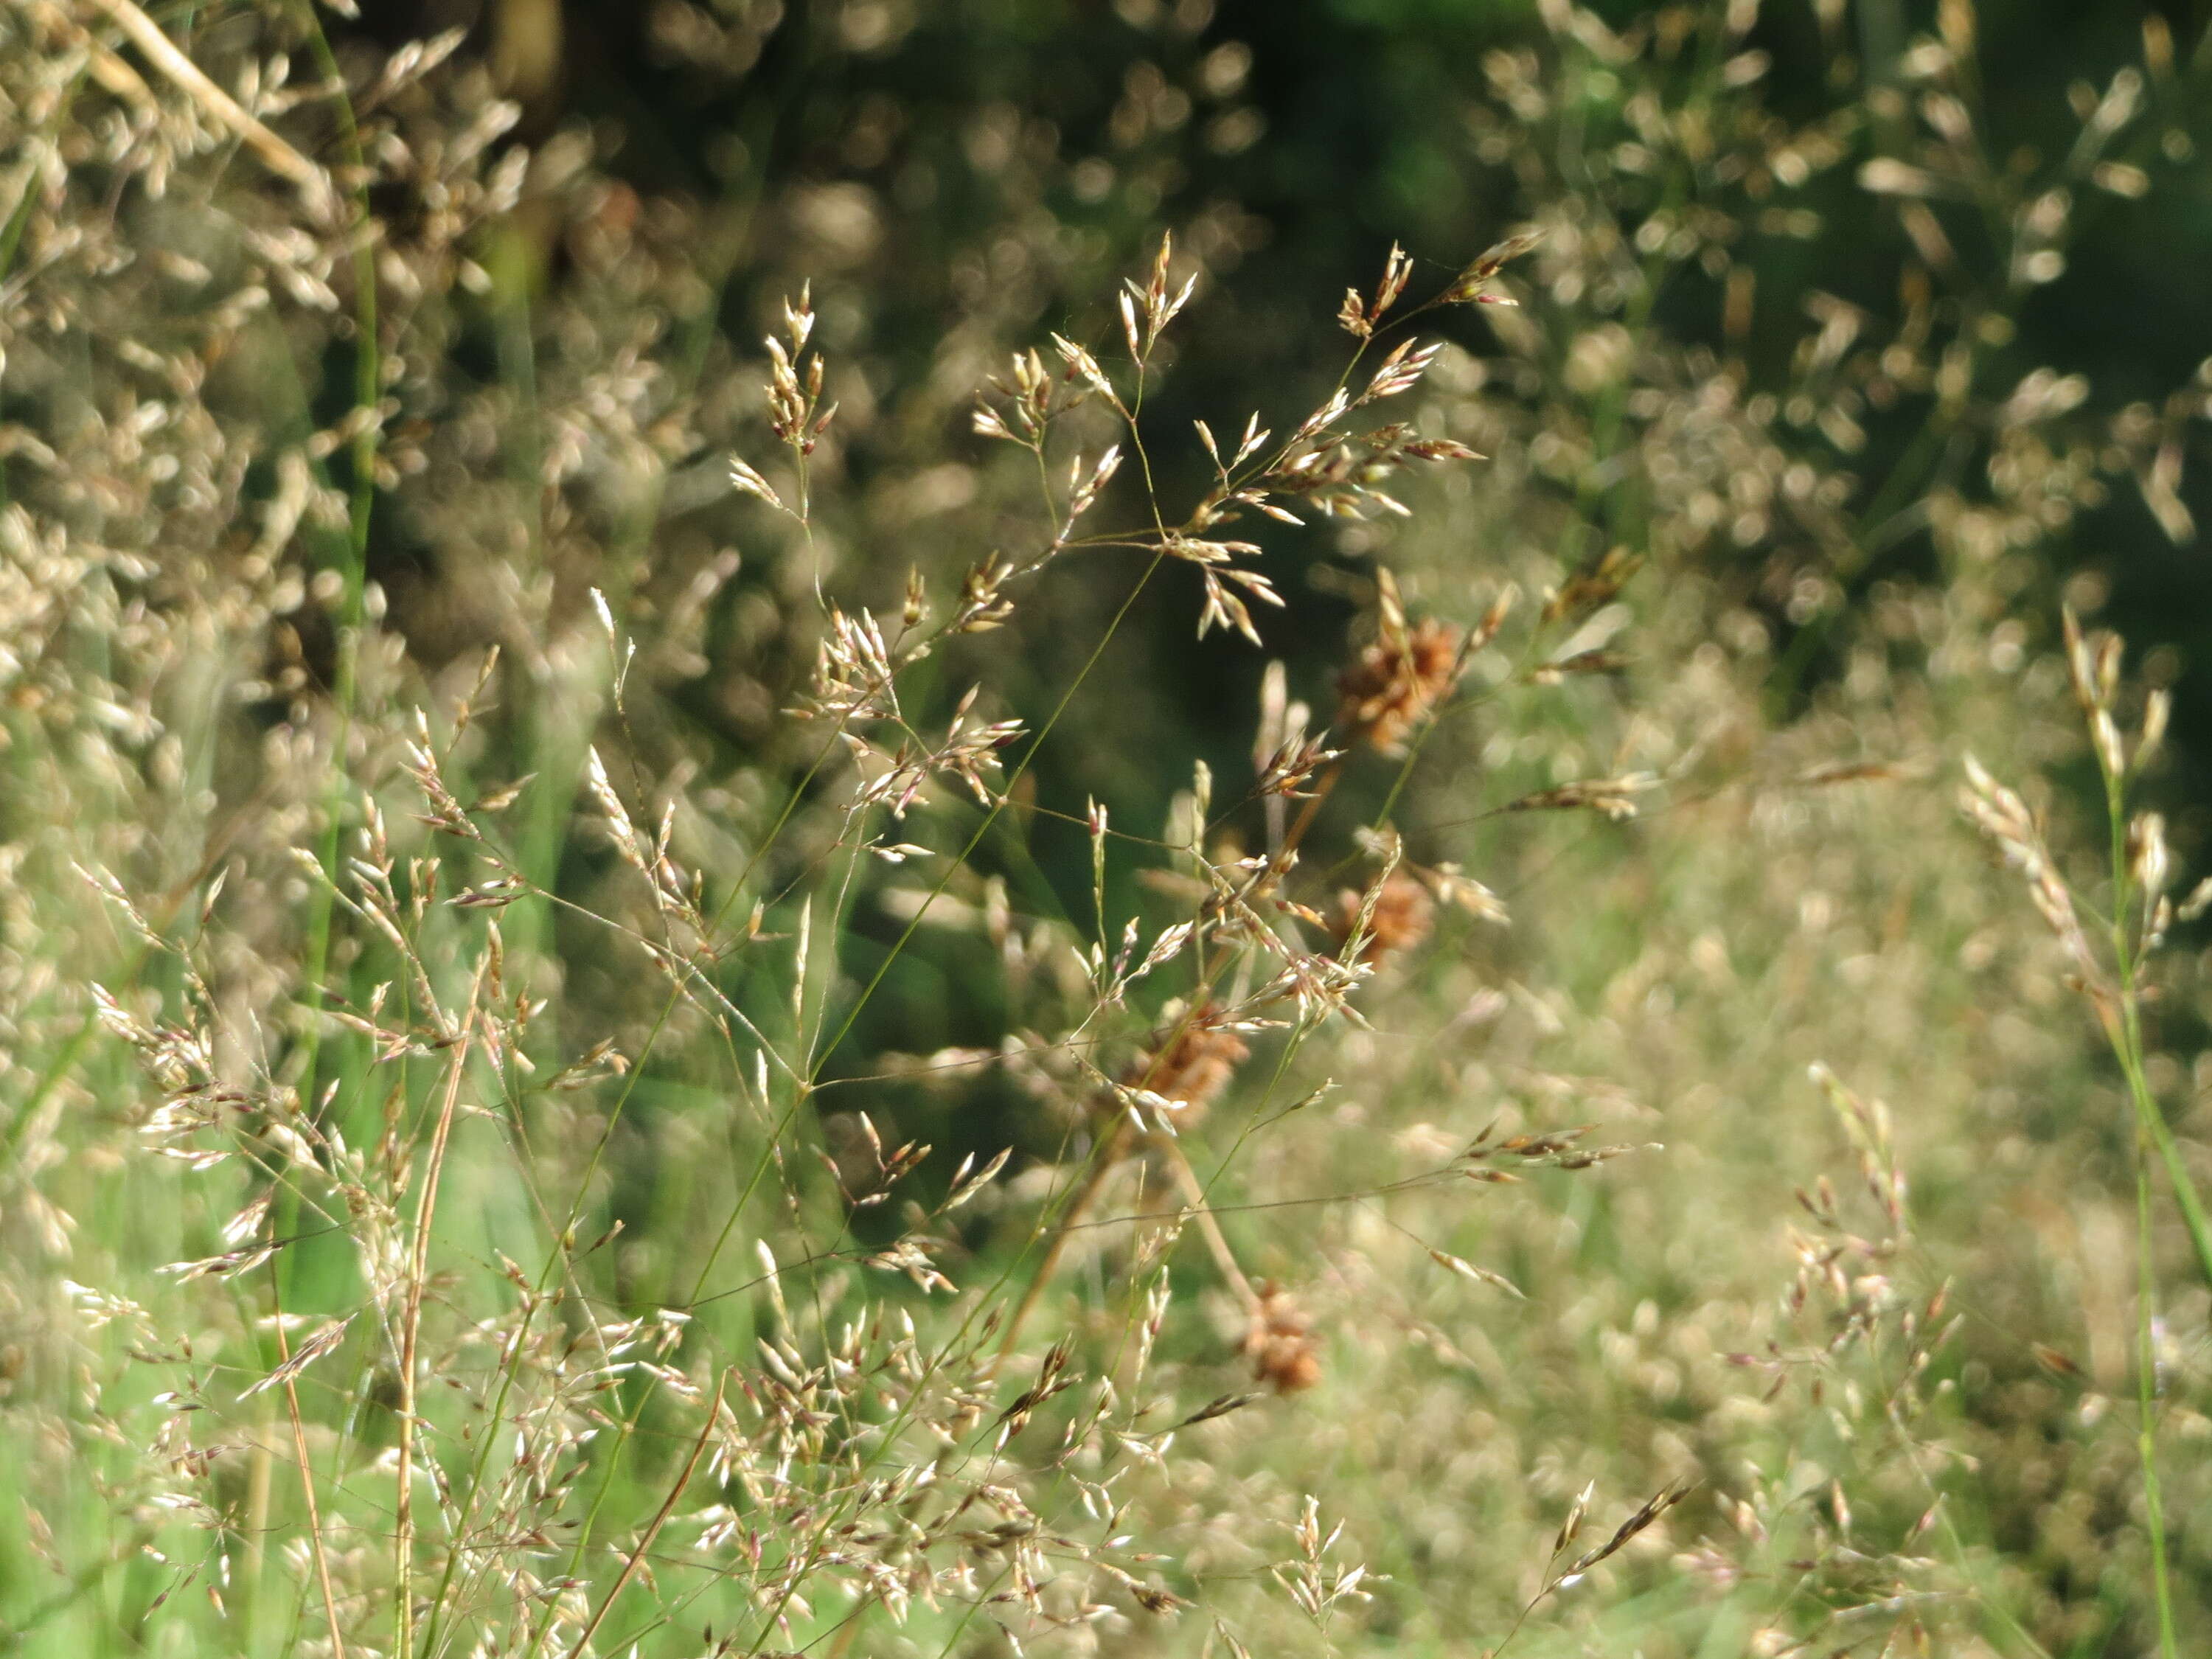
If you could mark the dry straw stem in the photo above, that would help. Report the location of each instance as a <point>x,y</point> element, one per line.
<point>660,1519</point>
<point>1194,1193</point>
<point>287,1371</point>
<point>115,75</point>
<point>279,157</point>
<point>1193,1063</point>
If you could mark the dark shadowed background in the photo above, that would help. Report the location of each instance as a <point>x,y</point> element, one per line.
<point>980,168</point>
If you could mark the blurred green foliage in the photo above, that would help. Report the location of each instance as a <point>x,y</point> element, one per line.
<point>986,164</point>
<point>956,179</point>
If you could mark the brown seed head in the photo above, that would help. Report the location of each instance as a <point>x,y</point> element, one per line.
<point>1280,1343</point>
<point>1195,1066</point>
<point>1402,916</point>
<point>1400,677</point>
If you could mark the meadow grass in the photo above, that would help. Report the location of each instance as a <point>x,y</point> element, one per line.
<point>526,818</point>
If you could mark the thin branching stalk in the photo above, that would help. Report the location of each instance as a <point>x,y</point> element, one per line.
<point>2126,1038</point>
<point>278,156</point>
<point>660,1520</point>
<point>410,1326</point>
<point>2146,1403</point>
<point>306,1467</point>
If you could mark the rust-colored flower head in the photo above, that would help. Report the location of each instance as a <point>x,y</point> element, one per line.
<point>1280,1343</point>
<point>1403,912</point>
<point>1195,1066</point>
<point>1402,676</point>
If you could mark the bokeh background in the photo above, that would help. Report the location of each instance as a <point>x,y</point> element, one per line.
<point>978,171</point>
<point>957,181</point>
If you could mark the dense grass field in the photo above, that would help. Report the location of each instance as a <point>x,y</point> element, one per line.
<point>683,974</point>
